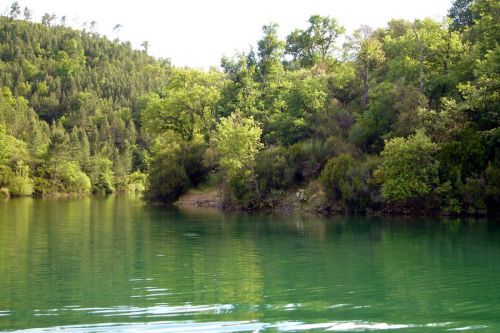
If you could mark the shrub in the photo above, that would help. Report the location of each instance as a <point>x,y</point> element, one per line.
<point>307,159</point>
<point>235,145</point>
<point>345,179</point>
<point>73,179</point>
<point>136,182</point>
<point>16,183</point>
<point>100,174</point>
<point>409,168</point>
<point>492,192</point>
<point>20,185</point>
<point>167,179</point>
<point>272,170</point>
<point>174,170</point>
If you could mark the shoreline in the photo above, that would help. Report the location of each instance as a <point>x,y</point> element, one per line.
<point>211,199</point>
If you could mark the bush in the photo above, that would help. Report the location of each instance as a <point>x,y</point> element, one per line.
<point>492,192</point>
<point>136,182</point>
<point>345,179</point>
<point>272,170</point>
<point>190,155</point>
<point>167,179</point>
<point>409,168</point>
<point>100,174</point>
<point>464,157</point>
<point>16,183</point>
<point>242,189</point>
<point>4,193</point>
<point>173,171</point>
<point>307,158</point>
<point>73,179</point>
<point>20,186</point>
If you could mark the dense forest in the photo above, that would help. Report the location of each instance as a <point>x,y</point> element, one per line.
<point>398,119</point>
<point>69,120</point>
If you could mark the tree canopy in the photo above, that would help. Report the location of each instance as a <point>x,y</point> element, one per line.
<point>403,116</point>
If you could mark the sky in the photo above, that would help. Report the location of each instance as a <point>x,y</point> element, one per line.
<point>197,33</point>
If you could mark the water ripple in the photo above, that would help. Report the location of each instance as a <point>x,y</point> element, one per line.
<point>157,310</point>
<point>236,326</point>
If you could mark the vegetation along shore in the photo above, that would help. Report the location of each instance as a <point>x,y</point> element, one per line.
<point>399,119</point>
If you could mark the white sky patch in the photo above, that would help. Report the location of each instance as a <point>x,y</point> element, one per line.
<point>197,33</point>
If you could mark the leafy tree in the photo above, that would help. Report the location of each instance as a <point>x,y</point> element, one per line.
<point>27,14</point>
<point>99,170</point>
<point>242,91</point>
<point>369,53</point>
<point>174,169</point>
<point>486,29</point>
<point>270,50</point>
<point>145,46</point>
<point>187,105</point>
<point>47,19</point>
<point>345,179</point>
<point>461,14</point>
<point>316,43</point>
<point>14,171</point>
<point>73,179</point>
<point>236,143</point>
<point>482,97</point>
<point>58,150</point>
<point>409,168</point>
<point>15,10</point>
<point>275,119</point>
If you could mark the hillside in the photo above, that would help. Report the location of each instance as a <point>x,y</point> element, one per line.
<point>399,119</point>
<point>68,108</point>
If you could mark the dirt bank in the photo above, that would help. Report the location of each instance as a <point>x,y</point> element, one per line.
<point>196,198</point>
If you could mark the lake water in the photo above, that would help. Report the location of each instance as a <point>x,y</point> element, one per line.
<point>114,264</point>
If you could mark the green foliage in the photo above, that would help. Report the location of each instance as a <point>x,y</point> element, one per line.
<point>17,182</point>
<point>492,191</point>
<point>486,29</point>
<point>99,170</point>
<point>345,179</point>
<point>73,179</point>
<point>462,157</point>
<point>19,185</point>
<point>272,170</point>
<point>389,108</point>
<point>76,107</point>
<point>14,171</point>
<point>186,105</point>
<point>461,14</point>
<point>85,87</point>
<point>270,50</point>
<point>482,96</point>
<point>136,182</point>
<point>174,169</point>
<point>235,144</point>
<point>409,168</point>
<point>316,43</point>
<point>167,179</point>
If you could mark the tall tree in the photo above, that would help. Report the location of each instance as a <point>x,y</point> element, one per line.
<point>461,14</point>
<point>15,10</point>
<point>369,53</point>
<point>187,104</point>
<point>316,43</point>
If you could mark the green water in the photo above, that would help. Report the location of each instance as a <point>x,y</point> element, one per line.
<point>113,264</point>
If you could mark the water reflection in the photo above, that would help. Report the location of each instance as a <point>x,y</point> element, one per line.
<point>77,263</point>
